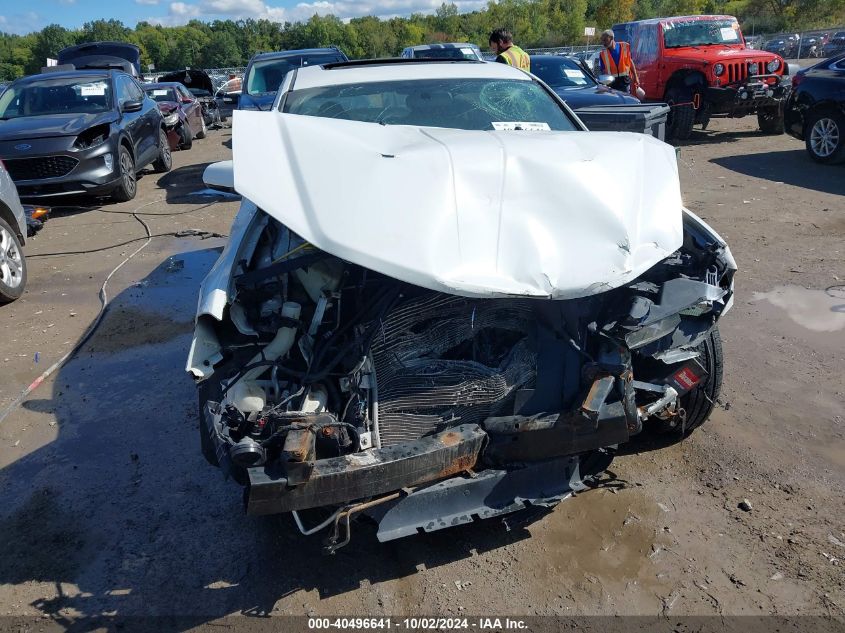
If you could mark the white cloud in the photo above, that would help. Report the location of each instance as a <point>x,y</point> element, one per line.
<point>21,23</point>
<point>181,12</point>
<point>147,2</point>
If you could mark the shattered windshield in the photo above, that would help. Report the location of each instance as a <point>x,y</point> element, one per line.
<point>701,33</point>
<point>57,96</point>
<point>466,104</point>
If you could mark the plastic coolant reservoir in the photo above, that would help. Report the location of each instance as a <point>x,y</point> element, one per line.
<point>315,401</point>
<point>247,397</point>
<point>245,394</point>
<point>321,276</point>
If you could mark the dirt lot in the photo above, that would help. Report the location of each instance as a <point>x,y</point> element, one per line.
<point>107,506</point>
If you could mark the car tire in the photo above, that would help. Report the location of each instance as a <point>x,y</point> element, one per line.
<point>12,264</point>
<point>700,401</point>
<point>204,130</point>
<point>164,162</point>
<point>186,137</point>
<point>824,137</point>
<point>681,120</point>
<point>771,120</point>
<point>128,186</point>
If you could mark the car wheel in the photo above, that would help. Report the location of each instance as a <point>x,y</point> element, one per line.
<point>165,159</point>
<point>701,400</point>
<point>204,130</point>
<point>128,186</point>
<point>771,120</point>
<point>12,264</point>
<point>186,137</point>
<point>681,117</point>
<point>825,137</point>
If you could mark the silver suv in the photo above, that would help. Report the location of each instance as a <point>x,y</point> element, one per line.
<point>12,237</point>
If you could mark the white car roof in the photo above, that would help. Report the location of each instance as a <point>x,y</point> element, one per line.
<point>316,76</point>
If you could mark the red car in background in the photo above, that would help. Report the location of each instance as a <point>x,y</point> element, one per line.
<point>182,112</point>
<point>701,66</point>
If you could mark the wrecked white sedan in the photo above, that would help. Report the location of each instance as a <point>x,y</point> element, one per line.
<point>444,300</point>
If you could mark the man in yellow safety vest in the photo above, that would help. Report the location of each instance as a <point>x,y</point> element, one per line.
<point>501,43</point>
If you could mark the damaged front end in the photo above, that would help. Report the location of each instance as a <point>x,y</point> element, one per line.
<point>325,384</point>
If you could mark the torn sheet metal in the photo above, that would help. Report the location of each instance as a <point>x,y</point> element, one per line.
<point>471,213</point>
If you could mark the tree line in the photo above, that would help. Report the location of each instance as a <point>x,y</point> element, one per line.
<point>535,23</point>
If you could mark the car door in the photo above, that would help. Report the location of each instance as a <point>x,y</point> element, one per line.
<point>131,122</point>
<point>151,117</point>
<point>646,60</point>
<point>192,108</point>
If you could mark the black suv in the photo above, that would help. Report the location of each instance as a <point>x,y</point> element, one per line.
<point>266,70</point>
<point>80,131</point>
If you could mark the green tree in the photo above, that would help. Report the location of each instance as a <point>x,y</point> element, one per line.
<point>221,51</point>
<point>48,42</point>
<point>103,31</point>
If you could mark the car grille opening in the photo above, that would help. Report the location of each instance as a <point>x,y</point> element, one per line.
<point>40,167</point>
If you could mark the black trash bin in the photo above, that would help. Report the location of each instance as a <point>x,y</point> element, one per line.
<point>648,118</point>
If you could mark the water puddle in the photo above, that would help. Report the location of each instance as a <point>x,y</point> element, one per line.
<point>815,310</point>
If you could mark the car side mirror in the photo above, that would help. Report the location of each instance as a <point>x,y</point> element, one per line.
<point>220,176</point>
<point>131,106</point>
<point>606,80</point>
<point>186,100</point>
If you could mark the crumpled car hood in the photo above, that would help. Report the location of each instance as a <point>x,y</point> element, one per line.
<point>472,213</point>
<point>51,125</point>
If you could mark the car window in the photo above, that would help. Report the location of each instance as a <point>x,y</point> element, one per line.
<point>185,93</point>
<point>162,94</point>
<point>700,33</point>
<point>469,104</point>
<point>56,96</point>
<point>645,52</point>
<point>560,73</point>
<point>124,92</point>
<point>265,76</point>
<point>463,52</point>
<point>135,91</point>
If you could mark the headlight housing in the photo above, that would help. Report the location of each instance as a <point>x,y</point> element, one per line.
<point>92,137</point>
<point>773,66</point>
<point>171,119</point>
<point>719,70</point>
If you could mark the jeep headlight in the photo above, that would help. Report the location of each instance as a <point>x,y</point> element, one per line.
<point>719,70</point>
<point>171,119</point>
<point>773,65</point>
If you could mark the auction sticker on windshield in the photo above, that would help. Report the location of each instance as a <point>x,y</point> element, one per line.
<point>159,93</point>
<point>729,34</point>
<point>92,90</point>
<point>501,126</point>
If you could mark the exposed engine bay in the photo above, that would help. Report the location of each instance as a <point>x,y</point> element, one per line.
<point>329,385</point>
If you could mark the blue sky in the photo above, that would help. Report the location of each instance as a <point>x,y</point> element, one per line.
<point>32,15</point>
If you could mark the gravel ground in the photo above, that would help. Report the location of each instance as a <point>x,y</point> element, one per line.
<point>107,507</point>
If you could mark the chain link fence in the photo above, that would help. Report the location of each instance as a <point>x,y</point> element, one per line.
<point>815,44</point>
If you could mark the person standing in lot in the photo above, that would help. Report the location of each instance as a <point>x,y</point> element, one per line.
<point>615,59</point>
<point>501,43</point>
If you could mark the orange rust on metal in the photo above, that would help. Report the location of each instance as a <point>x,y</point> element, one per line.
<point>450,439</point>
<point>465,462</point>
<point>299,445</point>
<point>591,394</point>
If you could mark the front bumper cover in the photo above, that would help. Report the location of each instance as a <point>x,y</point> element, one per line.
<point>754,93</point>
<point>90,175</point>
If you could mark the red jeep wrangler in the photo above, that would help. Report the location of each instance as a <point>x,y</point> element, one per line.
<point>701,66</point>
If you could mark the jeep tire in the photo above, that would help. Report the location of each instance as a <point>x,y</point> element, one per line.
<point>681,120</point>
<point>771,120</point>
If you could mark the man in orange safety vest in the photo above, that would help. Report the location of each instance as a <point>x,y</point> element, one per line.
<point>615,59</point>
